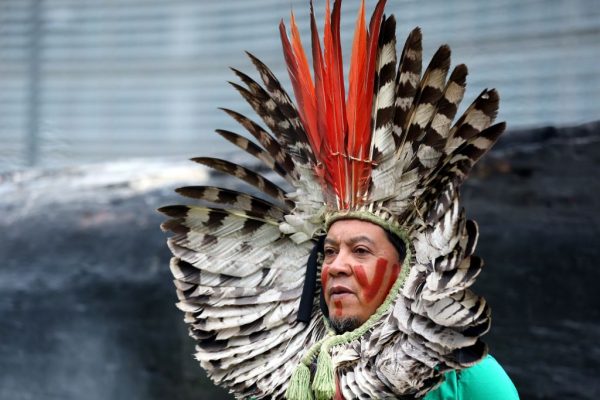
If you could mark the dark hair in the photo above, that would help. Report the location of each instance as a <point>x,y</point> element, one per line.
<point>398,244</point>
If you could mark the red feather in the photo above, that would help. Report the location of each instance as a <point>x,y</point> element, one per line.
<point>338,128</point>
<point>355,137</point>
<point>335,136</point>
<point>321,84</point>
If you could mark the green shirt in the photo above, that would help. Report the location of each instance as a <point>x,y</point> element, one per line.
<point>486,380</point>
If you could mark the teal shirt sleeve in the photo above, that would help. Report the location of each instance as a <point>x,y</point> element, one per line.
<point>484,381</point>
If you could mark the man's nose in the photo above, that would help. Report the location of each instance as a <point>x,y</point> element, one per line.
<point>341,265</point>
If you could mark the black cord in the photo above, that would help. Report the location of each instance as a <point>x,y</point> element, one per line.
<point>310,282</point>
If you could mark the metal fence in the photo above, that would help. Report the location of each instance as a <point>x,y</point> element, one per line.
<point>85,81</point>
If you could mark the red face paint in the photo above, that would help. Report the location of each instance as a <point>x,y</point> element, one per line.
<point>338,308</point>
<point>324,276</point>
<point>376,284</point>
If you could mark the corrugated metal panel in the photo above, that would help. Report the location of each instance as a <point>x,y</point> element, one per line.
<point>143,78</point>
<point>15,29</point>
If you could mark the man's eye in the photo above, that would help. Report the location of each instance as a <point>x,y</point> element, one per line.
<point>361,250</point>
<point>329,252</point>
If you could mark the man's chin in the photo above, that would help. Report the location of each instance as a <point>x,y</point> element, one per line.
<point>344,324</point>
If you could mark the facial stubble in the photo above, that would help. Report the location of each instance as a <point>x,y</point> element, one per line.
<point>344,324</point>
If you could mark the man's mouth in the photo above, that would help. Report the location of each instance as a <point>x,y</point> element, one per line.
<point>339,291</point>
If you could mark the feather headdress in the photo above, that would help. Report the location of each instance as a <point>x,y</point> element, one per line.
<point>384,150</point>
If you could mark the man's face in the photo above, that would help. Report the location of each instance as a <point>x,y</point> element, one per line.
<point>359,269</point>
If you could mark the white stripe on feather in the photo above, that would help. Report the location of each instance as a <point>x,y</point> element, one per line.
<point>386,54</point>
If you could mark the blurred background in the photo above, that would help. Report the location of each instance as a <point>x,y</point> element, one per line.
<point>101,103</point>
<point>86,81</point>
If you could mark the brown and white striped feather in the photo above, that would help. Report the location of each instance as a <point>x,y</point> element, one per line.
<point>261,183</point>
<point>439,239</point>
<point>237,200</point>
<point>293,137</point>
<point>262,103</point>
<point>230,265</point>
<point>242,338</point>
<point>442,284</point>
<point>400,364</point>
<point>276,257</point>
<point>266,108</point>
<point>476,146</point>
<point>282,118</point>
<point>225,296</point>
<point>478,116</point>
<point>270,144</point>
<point>404,188</point>
<point>442,237</point>
<point>209,294</point>
<point>428,94</point>
<point>264,326</point>
<point>469,140</point>
<point>292,132</point>
<point>200,224</point>
<point>269,361</point>
<point>255,151</point>
<point>383,141</point>
<point>417,355</point>
<point>455,169</point>
<point>464,248</point>
<point>223,254</point>
<point>364,383</point>
<point>407,81</point>
<point>215,324</point>
<point>224,312</point>
<point>421,353</point>
<point>446,337</point>
<point>436,133</point>
<point>225,247</point>
<point>187,273</point>
<point>233,356</point>
<point>418,117</point>
<point>458,310</point>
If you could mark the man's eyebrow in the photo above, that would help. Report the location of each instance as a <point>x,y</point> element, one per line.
<point>352,240</point>
<point>329,241</point>
<point>361,238</point>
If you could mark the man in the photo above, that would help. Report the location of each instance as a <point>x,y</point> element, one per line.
<point>371,232</point>
<point>359,267</point>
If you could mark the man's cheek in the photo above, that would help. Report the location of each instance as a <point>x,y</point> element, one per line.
<point>393,277</point>
<point>337,305</point>
<point>324,275</point>
<point>372,287</point>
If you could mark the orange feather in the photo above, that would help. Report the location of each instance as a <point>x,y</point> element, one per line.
<point>338,127</point>
<point>302,82</point>
<point>355,84</point>
<point>321,84</point>
<point>337,106</point>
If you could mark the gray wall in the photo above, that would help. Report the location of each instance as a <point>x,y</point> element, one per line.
<point>87,299</point>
